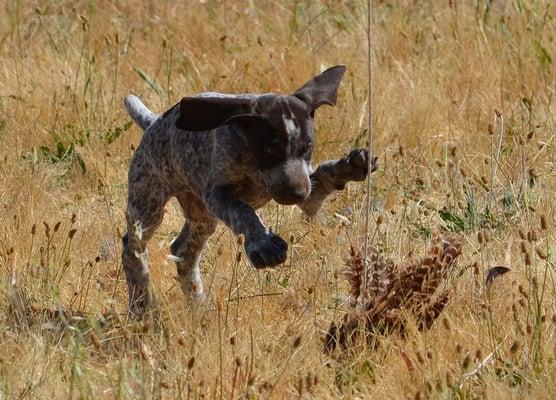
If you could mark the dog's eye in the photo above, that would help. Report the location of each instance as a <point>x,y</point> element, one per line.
<point>271,150</point>
<point>306,150</point>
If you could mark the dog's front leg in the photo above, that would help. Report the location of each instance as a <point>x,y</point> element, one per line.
<point>333,175</point>
<point>264,248</point>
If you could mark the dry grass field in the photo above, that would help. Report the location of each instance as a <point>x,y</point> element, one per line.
<point>464,124</point>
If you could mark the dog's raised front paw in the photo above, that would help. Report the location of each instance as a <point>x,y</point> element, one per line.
<point>267,251</point>
<point>354,167</point>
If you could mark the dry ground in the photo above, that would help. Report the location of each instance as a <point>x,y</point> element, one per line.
<point>464,125</point>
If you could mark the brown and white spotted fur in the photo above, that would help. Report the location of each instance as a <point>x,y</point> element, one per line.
<point>223,156</point>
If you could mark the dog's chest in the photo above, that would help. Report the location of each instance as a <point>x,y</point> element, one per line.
<point>252,192</point>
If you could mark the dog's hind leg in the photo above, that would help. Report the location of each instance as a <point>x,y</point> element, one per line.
<point>144,214</point>
<point>187,246</point>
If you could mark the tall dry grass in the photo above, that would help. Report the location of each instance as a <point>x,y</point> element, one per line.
<point>464,125</point>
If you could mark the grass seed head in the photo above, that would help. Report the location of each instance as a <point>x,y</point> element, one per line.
<point>300,387</point>
<point>466,362</point>
<point>42,258</point>
<point>541,253</point>
<point>476,268</point>
<point>530,135</point>
<point>96,341</point>
<point>309,382</point>
<point>145,353</point>
<point>449,379</point>
<point>46,229</point>
<point>544,225</point>
<point>420,357</point>
<point>527,258</point>
<point>515,347</point>
<point>514,309</point>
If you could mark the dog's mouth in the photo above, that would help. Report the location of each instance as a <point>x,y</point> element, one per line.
<point>286,196</point>
<point>290,197</point>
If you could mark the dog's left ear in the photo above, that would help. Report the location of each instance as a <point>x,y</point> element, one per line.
<point>322,89</point>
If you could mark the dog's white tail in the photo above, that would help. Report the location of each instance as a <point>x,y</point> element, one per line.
<point>139,112</point>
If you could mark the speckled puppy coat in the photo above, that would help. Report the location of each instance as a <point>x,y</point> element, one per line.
<point>223,156</point>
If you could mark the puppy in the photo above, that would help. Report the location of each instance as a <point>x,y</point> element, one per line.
<point>224,156</point>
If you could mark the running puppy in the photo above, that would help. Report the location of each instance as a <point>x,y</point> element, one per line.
<point>224,156</point>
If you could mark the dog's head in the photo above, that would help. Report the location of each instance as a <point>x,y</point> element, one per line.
<point>277,129</point>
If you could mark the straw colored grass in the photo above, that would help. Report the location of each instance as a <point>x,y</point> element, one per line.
<point>463,124</point>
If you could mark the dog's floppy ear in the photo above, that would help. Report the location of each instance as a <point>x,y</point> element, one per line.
<point>322,89</point>
<point>206,113</point>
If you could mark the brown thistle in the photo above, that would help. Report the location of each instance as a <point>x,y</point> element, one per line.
<point>392,293</point>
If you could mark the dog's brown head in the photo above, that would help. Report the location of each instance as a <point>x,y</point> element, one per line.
<point>277,129</point>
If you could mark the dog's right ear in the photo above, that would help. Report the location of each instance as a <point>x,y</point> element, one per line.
<point>207,113</point>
